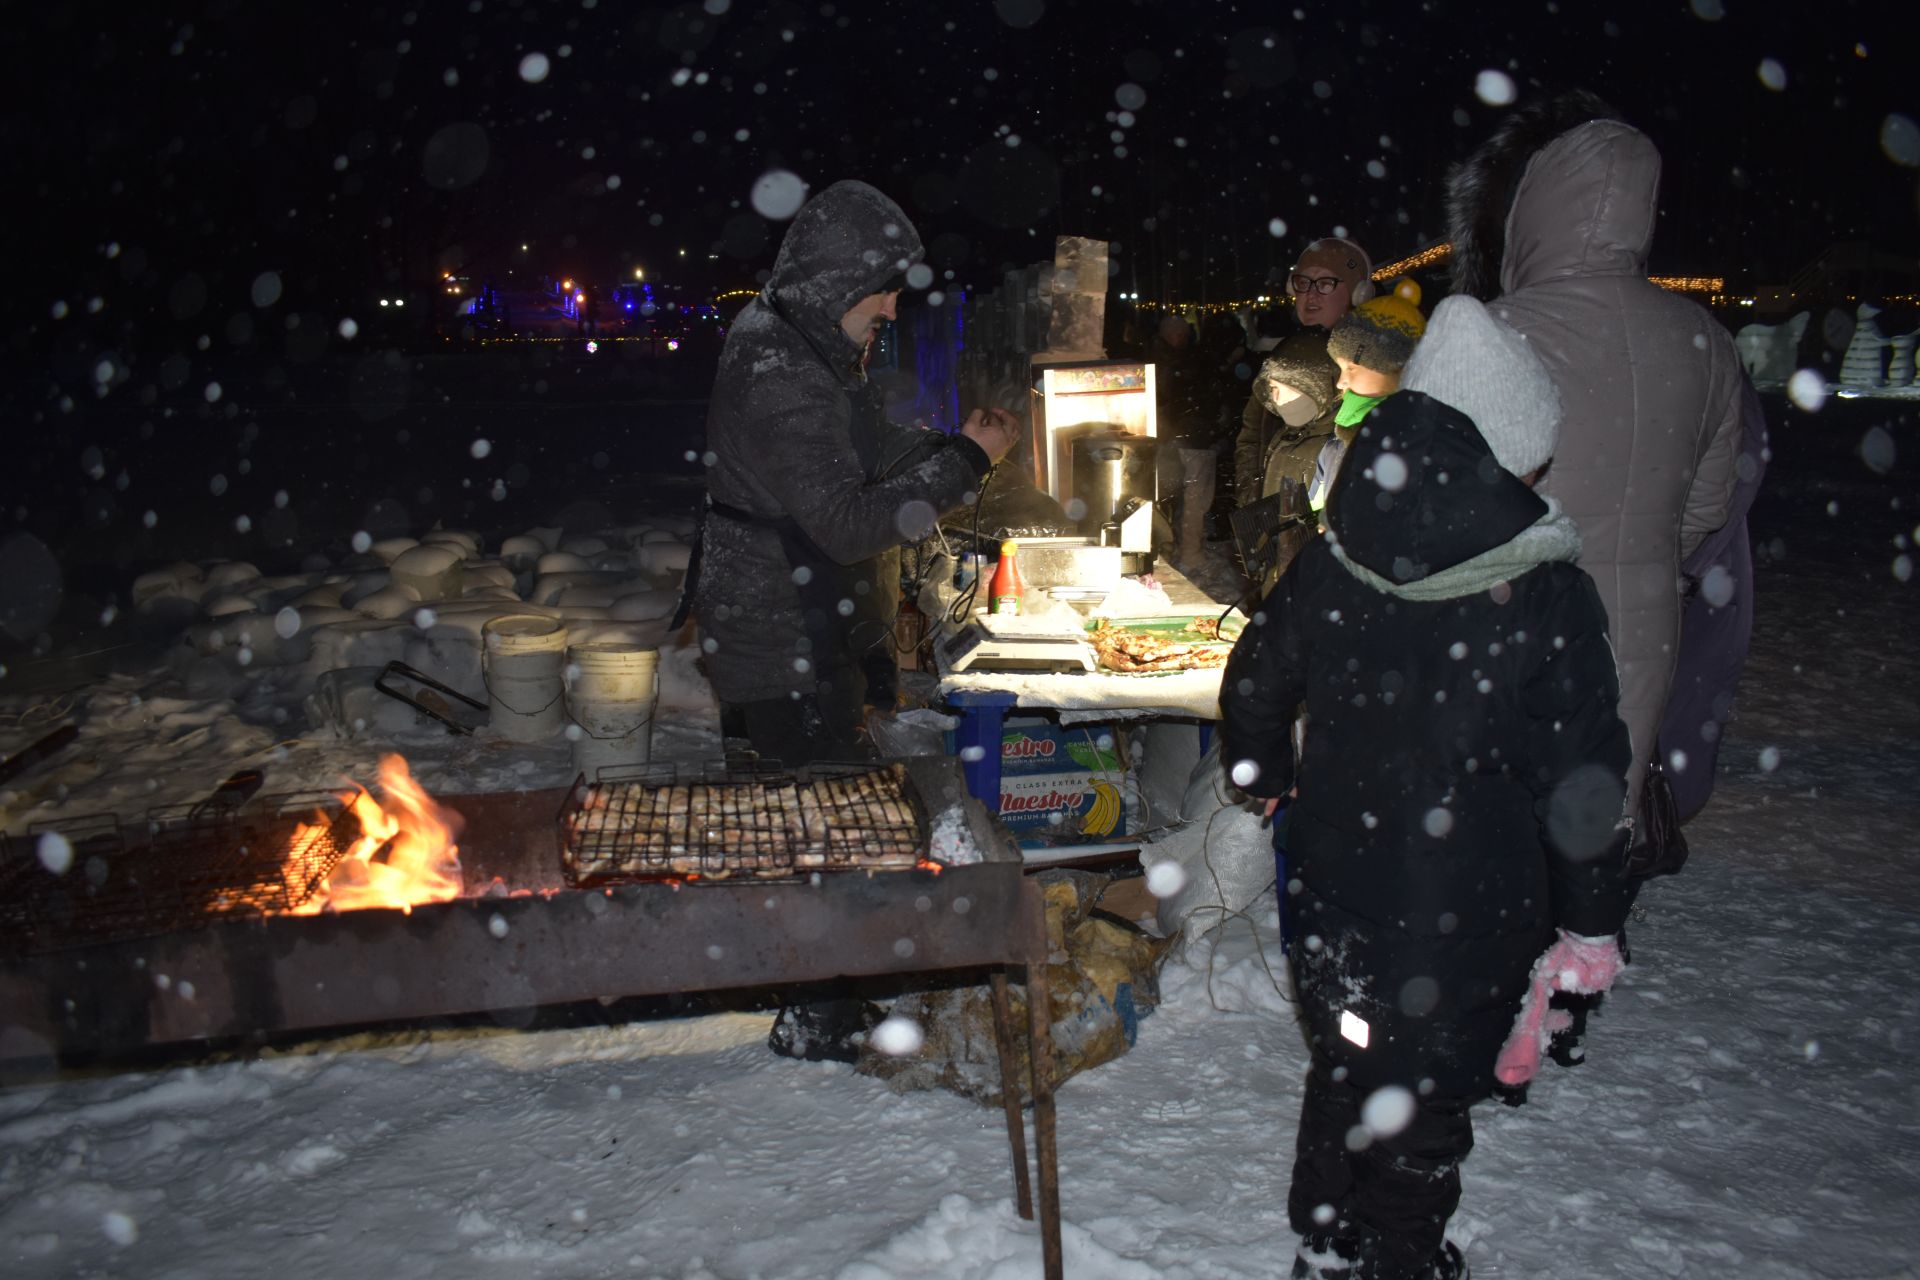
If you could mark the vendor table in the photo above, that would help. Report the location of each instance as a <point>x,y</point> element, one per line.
<point>984,699</point>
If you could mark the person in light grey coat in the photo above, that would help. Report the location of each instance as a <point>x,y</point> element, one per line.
<point>811,491</point>
<point>1552,220</point>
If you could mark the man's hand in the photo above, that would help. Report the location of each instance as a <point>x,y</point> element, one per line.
<point>994,430</point>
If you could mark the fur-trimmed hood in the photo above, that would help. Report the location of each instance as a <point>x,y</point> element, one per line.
<point>1562,188</point>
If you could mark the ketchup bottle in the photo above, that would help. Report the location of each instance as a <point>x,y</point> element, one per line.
<point>1003,595</point>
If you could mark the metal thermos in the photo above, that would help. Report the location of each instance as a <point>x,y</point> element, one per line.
<point>1113,476</point>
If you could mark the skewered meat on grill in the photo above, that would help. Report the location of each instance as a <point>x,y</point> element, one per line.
<point>761,828</point>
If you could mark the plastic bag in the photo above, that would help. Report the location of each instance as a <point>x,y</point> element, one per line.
<point>918,731</point>
<point>1223,849</point>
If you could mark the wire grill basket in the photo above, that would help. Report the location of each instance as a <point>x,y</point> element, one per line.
<point>716,823</point>
<point>95,880</point>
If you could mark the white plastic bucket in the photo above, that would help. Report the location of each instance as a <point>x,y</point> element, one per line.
<point>611,691</point>
<point>521,658</point>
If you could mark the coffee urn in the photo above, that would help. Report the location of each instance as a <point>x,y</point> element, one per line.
<point>1112,490</point>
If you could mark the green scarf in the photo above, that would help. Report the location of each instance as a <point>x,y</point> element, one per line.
<point>1553,537</point>
<point>1353,407</point>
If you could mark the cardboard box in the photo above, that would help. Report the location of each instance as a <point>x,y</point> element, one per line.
<point>1029,745</point>
<point>1061,781</point>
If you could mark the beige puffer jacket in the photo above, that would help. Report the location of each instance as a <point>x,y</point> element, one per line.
<point>1650,384</point>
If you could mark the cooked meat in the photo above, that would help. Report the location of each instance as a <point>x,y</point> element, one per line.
<point>768,829</point>
<point>1120,649</point>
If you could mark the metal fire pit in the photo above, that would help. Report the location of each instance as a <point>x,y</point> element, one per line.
<point>524,937</point>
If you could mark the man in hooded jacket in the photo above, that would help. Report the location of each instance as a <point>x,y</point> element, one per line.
<point>1554,214</point>
<point>811,490</point>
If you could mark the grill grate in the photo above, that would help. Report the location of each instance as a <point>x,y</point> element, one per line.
<point>189,870</point>
<point>666,822</point>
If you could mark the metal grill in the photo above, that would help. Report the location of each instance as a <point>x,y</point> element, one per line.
<point>185,871</point>
<point>667,822</point>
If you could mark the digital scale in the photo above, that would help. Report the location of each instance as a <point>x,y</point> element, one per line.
<point>981,646</point>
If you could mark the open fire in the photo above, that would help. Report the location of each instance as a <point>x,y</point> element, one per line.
<point>405,853</point>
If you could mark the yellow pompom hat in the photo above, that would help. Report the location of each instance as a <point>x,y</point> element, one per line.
<point>1380,333</point>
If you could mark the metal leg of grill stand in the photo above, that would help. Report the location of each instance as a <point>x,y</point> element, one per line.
<point>1010,1094</point>
<point>1040,1056</point>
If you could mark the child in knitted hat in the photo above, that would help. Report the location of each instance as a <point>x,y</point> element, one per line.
<point>1455,843</point>
<point>1371,345</point>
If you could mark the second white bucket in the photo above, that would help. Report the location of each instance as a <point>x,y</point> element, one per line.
<point>521,658</point>
<point>611,692</point>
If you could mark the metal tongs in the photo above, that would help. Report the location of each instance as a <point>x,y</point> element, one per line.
<point>426,703</point>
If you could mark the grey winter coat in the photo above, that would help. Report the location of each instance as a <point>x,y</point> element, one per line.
<point>795,434</point>
<point>1650,383</point>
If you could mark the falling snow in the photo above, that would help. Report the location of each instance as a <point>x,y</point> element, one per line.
<point>1495,88</point>
<point>1768,1019</point>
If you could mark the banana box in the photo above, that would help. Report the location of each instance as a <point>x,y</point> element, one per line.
<point>1061,782</point>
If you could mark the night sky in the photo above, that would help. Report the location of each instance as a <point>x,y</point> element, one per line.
<point>168,160</point>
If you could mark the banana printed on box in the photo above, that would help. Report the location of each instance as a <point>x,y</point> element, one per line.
<point>1061,780</point>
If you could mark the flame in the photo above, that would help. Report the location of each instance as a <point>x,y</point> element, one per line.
<point>406,852</point>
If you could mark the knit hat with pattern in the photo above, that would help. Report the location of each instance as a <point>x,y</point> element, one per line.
<point>1380,333</point>
<point>1486,370</point>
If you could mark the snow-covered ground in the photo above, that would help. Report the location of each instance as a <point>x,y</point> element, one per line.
<point>1748,1106</point>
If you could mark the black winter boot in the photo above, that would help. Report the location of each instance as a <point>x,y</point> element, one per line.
<point>1568,1045</point>
<point>1378,1261</point>
<point>824,1030</point>
<point>1323,1257</point>
<point>1448,1264</point>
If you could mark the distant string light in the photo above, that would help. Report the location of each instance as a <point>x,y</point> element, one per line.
<point>1691,284</point>
<point>1713,287</point>
<point>672,344</point>
<point>1425,258</point>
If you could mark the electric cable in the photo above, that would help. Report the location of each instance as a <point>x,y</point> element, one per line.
<point>962,608</point>
<point>914,581</point>
<point>1225,915</point>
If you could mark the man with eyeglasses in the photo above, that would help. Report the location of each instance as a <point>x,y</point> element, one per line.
<point>1289,416</point>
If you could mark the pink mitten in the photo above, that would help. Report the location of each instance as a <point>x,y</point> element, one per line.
<point>1574,963</point>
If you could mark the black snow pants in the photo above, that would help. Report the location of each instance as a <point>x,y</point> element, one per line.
<point>1393,1197</point>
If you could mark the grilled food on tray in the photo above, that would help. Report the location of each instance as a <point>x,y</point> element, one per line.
<point>1121,649</point>
<point>723,829</point>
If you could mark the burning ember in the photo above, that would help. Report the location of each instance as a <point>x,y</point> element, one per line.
<point>405,853</point>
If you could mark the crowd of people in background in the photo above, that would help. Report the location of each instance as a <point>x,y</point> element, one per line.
<point>1247,400</point>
